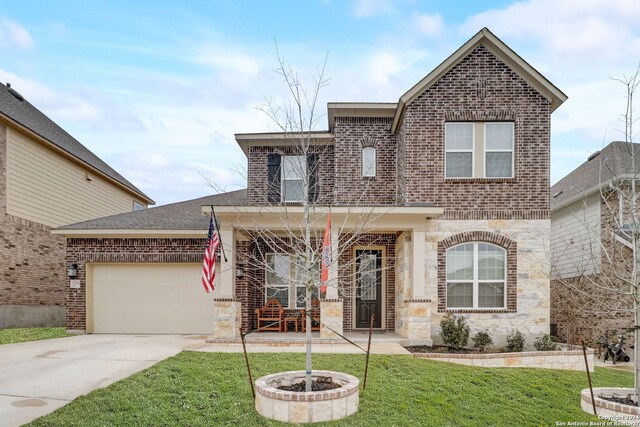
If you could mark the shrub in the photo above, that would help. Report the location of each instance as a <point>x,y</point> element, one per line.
<point>455,331</point>
<point>515,342</point>
<point>544,343</point>
<point>482,340</point>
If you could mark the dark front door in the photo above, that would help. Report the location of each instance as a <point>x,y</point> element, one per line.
<point>368,287</point>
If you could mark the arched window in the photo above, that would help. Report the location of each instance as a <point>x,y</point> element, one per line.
<point>476,276</point>
<point>368,161</point>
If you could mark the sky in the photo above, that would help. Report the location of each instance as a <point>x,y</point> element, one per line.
<point>157,89</point>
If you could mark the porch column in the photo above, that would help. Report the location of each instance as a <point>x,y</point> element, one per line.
<point>416,313</point>
<point>227,312</point>
<point>332,289</point>
<point>418,287</point>
<point>226,286</point>
<point>331,311</point>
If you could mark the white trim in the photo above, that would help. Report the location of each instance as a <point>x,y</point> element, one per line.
<point>475,281</point>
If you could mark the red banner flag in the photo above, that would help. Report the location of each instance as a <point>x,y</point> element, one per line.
<point>209,263</point>
<point>326,256</point>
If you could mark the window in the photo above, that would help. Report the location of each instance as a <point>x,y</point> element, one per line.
<point>498,150</point>
<point>479,150</point>
<point>476,276</point>
<point>137,206</point>
<point>294,170</point>
<point>459,150</point>
<point>368,161</point>
<point>285,280</point>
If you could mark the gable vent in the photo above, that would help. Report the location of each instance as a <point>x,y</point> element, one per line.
<point>15,93</point>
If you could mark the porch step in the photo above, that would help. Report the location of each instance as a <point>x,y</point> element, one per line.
<point>291,338</point>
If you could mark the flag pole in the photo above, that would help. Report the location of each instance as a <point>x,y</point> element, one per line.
<point>215,224</point>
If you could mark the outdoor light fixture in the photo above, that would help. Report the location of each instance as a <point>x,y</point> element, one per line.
<point>72,271</point>
<point>239,272</point>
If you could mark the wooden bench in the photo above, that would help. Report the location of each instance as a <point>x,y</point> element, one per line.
<point>315,316</point>
<point>271,315</point>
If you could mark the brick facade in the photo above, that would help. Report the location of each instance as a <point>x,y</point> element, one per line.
<point>257,182</point>
<point>351,188</point>
<point>454,97</point>
<point>32,272</point>
<point>121,250</point>
<point>577,314</point>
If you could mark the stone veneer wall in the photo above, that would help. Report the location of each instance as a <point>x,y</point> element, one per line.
<point>572,360</point>
<point>134,250</point>
<point>531,314</point>
<point>32,271</point>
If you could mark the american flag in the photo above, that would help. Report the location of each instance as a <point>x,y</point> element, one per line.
<point>209,263</point>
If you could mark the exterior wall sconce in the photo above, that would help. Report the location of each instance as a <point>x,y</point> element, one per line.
<point>239,272</point>
<point>72,271</point>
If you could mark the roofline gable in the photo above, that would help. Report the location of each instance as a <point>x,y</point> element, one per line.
<point>486,38</point>
<point>56,148</point>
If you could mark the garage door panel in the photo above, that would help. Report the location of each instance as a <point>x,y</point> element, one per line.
<point>150,298</point>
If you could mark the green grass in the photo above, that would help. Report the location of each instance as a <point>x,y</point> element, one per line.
<point>11,336</point>
<point>211,389</point>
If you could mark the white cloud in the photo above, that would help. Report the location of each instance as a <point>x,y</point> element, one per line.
<point>14,36</point>
<point>369,8</point>
<point>569,29</point>
<point>227,59</point>
<point>429,25</point>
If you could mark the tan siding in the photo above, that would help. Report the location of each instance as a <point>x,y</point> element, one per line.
<point>45,187</point>
<point>575,241</point>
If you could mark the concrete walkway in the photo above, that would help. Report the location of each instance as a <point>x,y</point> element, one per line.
<point>39,377</point>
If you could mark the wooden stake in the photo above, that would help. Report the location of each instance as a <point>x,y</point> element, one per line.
<point>586,364</point>
<point>366,364</point>
<point>246,360</point>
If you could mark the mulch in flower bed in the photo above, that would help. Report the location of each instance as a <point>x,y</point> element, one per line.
<point>622,400</point>
<point>319,384</point>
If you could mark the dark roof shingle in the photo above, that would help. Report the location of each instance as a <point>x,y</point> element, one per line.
<point>613,162</point>
<point>24,113</point>
<point>185,215</point>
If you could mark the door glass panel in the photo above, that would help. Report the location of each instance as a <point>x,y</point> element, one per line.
<point>368,277</point>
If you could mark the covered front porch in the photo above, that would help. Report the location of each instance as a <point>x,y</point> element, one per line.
<point>379,273</point>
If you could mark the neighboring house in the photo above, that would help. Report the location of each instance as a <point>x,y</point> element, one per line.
<point>591,246</point>
<point>458,169</point>
<point>47,179</point>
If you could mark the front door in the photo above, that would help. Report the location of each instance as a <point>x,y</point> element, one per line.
<point>368,287</point>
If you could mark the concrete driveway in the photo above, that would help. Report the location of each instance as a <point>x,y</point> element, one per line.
<point>38,377</point>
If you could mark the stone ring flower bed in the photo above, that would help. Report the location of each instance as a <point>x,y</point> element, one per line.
<point>612,411</point>
<point>306,407</point>
<point>572,360</point>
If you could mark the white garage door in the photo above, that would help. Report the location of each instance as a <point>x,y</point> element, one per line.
<point>150,299</point>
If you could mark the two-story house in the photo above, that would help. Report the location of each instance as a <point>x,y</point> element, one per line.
<point>455,177</point>
<point>47,179</point>
<point>592,238</point>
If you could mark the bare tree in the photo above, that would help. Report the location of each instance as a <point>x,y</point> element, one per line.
<point>298,212</point>
<point>606,279</point>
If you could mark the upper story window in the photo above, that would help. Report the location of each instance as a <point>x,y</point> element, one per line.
<point>479,150</point>
<point>294,171</point>
<point>476,276</point>
<point>137,206</point>
<point>369,161</point>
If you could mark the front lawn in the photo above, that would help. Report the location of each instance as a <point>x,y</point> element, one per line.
<point>211,389</point>
<point>11,336</point>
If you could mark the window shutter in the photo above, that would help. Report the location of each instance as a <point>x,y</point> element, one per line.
<point>312,170</point>
<point>273,178</point>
